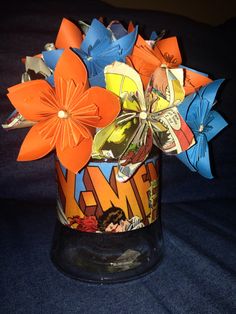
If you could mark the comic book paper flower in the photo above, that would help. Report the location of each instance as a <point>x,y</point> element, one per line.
<point>98,49</point>
<point>204,123</point>
<point>145,119</point>
<point>66,115</point>
<point>148,59</point>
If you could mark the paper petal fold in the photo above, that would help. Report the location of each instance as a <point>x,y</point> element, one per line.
<point>112,141</point>
<point>215,124</point>
<point>75,158</point>
<point>70,67</point>
<point>167,51</point>
<point>37,66</point>
<point>126,43</point>
<point>107,103</point>
<point>96,33</point>
<point>171,133</point>
<point>34,145</point>
<point>27,99</point>
<point>194,80</point>
<point>51,57</point>
<point>195,164</point>
<point>135,155</point>
<point>117,29</point>
<point>125,82</point>
<point>69,35</point>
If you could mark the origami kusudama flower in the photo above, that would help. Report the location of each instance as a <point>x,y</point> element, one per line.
<point>147,59</point>
<point>204,123</point>
<point>66,115</point>
<point>97,49</point>
<point>145,119</point>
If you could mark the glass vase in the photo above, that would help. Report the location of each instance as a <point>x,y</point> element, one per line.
<point>108,231</point>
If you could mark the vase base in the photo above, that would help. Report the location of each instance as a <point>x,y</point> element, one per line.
<point>107,258</point>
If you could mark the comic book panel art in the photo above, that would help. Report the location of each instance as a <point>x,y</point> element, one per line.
<point>93,200</point>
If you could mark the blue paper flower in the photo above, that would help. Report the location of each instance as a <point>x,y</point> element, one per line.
<point>98,49</point>
<point>204,123</point>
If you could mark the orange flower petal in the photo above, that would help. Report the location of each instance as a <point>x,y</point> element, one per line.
<point>70,67</point>
<point>130,27</point>
<point>75,158</point>
<point>193,81</point>
<point>144,54</point>
<point>69,35</point>
<point>145,70</point>
<point>34,146</point>
<point>106,103</point>
<point>28,97</point>
<point>168,49</point>
<point>141,42</point>
<point>143,60</point>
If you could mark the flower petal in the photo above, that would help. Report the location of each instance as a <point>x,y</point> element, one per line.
<point>38,66</point>
<point>215,125</point>
<point>27,98</point>
<point>106,102</point>
<point>203,165</point>
<point>198,162</point>
<point>51,57</point>
<point>136,153</point>
<point>34,146</point>
<point>171,133</point>
<point>96,33</point>
<point>209,91</point>
<point>125,82</point>
<point>126,42</point>
<point>113,141</point>
<point>69,35</point>
<point>143,60</point>
<point>167,50</point>
<point>97,80</point>
<point>117,29</point>
<point>194,80</point>
<point>75,158</point>
<point>70,67</point>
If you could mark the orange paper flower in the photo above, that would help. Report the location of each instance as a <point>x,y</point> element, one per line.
<point>66,115</point>
<point>146,59</point>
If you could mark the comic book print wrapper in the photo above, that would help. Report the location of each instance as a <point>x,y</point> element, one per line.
<point>93,200</point>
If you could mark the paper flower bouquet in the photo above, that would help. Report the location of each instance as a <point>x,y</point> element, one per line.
<point>107,101</point>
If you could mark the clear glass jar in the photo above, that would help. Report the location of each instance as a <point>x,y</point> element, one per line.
<point>108,231</point>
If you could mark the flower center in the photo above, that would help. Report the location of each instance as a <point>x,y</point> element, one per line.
<point>201,127</point>
<point>63,114</point>
<point>49,47</point>
<point>143,115</point>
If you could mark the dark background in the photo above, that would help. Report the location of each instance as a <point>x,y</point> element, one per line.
<point>211,12</point>
<point>197,274</point>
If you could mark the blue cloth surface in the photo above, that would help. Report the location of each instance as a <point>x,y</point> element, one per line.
<point>197,273</point>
